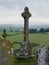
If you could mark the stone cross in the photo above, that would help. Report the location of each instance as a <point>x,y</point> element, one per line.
<point>26,15</point>
<point>26,46</point>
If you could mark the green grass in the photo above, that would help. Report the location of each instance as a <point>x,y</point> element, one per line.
<point>30,61</point>
<point>40,38</point>
<point>16,38</point>
<point>34,38</point>
<point>16,46</point>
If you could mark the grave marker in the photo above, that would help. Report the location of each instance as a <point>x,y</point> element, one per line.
<point>42,55</point>
<point>26,15</point>
<point>26,46</point>
<point>6,52</point>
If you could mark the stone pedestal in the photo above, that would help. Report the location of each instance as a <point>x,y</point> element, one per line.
<point>25,51</point>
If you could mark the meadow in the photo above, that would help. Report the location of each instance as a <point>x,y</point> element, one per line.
<point>34,38</point>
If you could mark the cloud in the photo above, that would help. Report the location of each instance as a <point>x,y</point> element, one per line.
<point>39,7</point>
<point>11,4</point>
<point>10,10</point>
<point>7,4</point>
<point>10,17</point>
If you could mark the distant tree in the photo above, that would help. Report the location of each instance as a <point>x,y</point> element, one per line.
<point>4,33</point>
<point>42,30</point>
<point>32,30</point>
<point>18,31</point>
<point>47,30</point>
<point>11,30</point>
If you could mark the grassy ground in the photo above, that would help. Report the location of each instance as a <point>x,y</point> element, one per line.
<point>34,38</point>
<point>31,61</point>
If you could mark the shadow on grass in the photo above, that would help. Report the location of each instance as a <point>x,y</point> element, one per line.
<point>29,61</point>
<point>33,44</point>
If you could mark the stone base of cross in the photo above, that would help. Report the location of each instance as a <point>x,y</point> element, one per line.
<point>25,51</point>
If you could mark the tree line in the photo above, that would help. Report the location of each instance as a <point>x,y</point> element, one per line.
<point>41,30</point>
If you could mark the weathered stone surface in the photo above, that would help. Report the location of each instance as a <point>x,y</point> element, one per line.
<point>23,49</point>
<point>6,52</point>
<point>42,55</point>
<point>26,15</point>
<point>23,57</point>
<point>48,55</point>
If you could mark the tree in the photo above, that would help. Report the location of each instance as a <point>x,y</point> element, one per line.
<point>4,33</point>
<point>42,30</point>
<point>33,31</point>
<point>47,30</point>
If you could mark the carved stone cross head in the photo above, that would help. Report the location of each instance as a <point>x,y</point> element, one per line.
<point>26,14</point>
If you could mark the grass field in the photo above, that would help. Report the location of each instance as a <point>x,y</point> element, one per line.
<point>34,38</point>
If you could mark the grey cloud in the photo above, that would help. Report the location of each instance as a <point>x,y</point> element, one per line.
<point>11,4</point>
<point>38,7</point>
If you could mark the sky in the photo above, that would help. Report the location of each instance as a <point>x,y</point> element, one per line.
<point>10,11</point>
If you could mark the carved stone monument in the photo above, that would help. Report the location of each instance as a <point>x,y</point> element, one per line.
<point>48,55</point>
<point>26,46</point>
<point>42,55</point>
<point>6,52</point>
<point>26,15</point>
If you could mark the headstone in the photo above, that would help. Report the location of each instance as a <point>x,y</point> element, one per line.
<point>26,46</point>
<point>6,52</point>
<point>48,55</point>
<point>42,55</point>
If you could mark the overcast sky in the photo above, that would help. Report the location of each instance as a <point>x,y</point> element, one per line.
<point>10,11</point>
